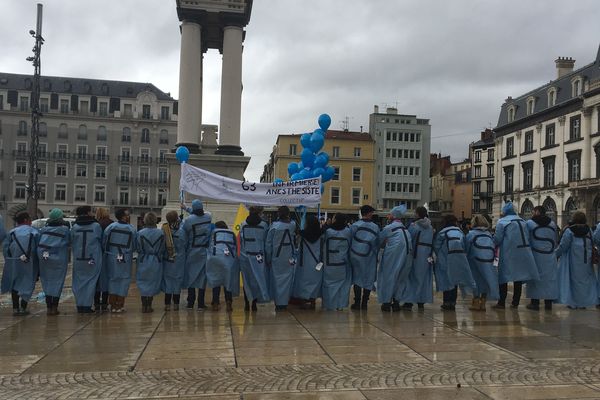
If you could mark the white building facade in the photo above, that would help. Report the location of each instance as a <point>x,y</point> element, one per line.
<point>547,145</point>
<point>403,143</point>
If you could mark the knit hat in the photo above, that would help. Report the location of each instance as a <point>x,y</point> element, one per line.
<point>508,208</point>
<point>55,214</point>
<point>197,205</point>
<point>398,211</point>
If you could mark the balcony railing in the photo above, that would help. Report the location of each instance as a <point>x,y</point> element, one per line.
<point>81,156</point>
<point>126,159</point>
<point>101,157</point>
<point>144,159</point>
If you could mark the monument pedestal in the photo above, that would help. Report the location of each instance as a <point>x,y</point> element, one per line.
<point>225,165</point>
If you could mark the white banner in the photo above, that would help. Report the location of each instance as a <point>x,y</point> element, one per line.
<point>203,183</point>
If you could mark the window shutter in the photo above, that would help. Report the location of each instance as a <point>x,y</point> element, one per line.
<point>54,101</point>
<point>176,108</point>
<point>94,104</point>
<point>74,102</point>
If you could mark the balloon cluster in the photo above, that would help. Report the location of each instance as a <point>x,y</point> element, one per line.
<point>314,161</point>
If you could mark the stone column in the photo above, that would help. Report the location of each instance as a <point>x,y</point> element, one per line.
<point>560,160</point>
<point>586,131</point>
<point>189,119</point>
<point>231,92</point>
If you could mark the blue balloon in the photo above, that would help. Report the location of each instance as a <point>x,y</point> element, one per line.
<point>317,140</point>
<point>278,180</point>
<point>297,176</point>
<point>308,158</point>
<point>293,168</point>
<point>305,140</point>
<point>318,172</point>
<point>329,173</point>
<point>320,161</point>
<point>183,154</point>
<point>300,166</point>
<point>324,122</point>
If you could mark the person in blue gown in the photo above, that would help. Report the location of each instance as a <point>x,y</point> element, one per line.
<point>576,276</point>
<point>396,261</point>
<point>101,297</point>
<point>543,237</point>
<point>53,256</point>
<point>119,243</point>
<point>363,257</point>
<point>253,237</point>
<point>151,248</point>
<point>20,263</point>
<point>420,280</point>
<point>451,265</point>
<point>337,271</point>
<point>280,251</point>
<point>516,262</point>
<point>173,260</point>
<point>223,266</point>
<point>86,243</point>
<point>197,229</point>
<point>481,252</point>
<point>309,269</point>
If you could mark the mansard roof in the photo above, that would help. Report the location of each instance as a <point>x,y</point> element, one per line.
<point>81,86</point>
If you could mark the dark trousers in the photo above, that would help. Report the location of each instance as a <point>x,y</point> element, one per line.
<point>216,294</point>
<point>450,296</point>
<point>517,288</point>
<point>191,297</point>
<point>547,303</point>
<point>361,295</point>
<point>175,298</point>
<point>101,298</point>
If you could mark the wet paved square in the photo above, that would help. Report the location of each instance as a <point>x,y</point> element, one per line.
<point>510,354</point>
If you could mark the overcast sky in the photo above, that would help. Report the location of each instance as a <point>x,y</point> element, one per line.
<point>453,62</point>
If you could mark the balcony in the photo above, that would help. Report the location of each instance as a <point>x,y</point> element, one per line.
<point>61,156</point>
<point>123,179</point>
<point>160,160</point>
<point>81,156</point>
<point>144,159</point>
<point>20,154</point>
<point>101,157</point>
<point>125,158</point>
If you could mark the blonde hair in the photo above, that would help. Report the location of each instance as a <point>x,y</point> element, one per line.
<point>480,221</point>
<point>102,213</point>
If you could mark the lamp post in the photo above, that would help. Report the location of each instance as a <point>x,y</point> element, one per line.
<point>32,187</point>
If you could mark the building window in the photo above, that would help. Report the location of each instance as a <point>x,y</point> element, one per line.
<point>418,154</point>
<point>99,194</point>
<point>20,191</point>
<point>43,131</point>
<point>103,109</point>
<point>508,179</point>
<point>145,155</point>
<point>63,132</point>
<point>163,137</point>
<point>511,114</point>
<point>490,155</point>
<point>510,147</point>
<point>100,171</point>
<point>101,153</point>
<point>597,152</point>
<point>63,149</point>
<point>575,127</point>
<point>60,192</point>
<point>64,106</point>
<point>528,141</point>
<point>576,87</point>
<point>476,188</point>
<point>356,174</point>
<point>478,156</point>
<point>22,128</point>
<point>21,168</point>
<point>145,138</point>
<point>162,197</point>
<point>335,195</point>
<point>528,176</point>
<point>127,111</point>
<point>356,196</point>
<point>124,174</point>
<point>82,134</point>
<point>164,113</point>
<point>490,171</point>
<point>24,104</point>
<point>490,187</point>
<point>476,205</point>
<point>163,174</point>
<point>357,152</point>
<point>84,107</point>
<point>550,135</point>
<point>145,111</point>
<point>293,149</point>
<point>574,165</point>
<point>125,154</point>
<point>41,187</point>
<point>477,171</point>
<point>548,172</point>
<point>80,193</point>
<point>42,170</point>
<point>335,152</point>
<point>530,106</point>
<point>162,156</point>
<point>336,174</point>
<point>126,136</point>
<point>144,174</point>
<point>82,152</point>
<point>552,97</point>
<point>81,170</point>
<point>61,169</point>
<point>101,134</point>
<point>22,148</point>
<point>123,196</point>
<point>43,105</point>
<point>143,196</point>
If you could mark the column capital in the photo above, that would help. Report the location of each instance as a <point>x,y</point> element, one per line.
<point>561,120</point>
<point>587,111</point>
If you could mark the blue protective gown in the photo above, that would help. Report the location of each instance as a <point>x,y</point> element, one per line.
<point>420,280</point>
<point>451,266</point>
<point>481,251</point>
<point>53,256</point>
<point>20,274</point>
<point>337,271</point>
<point>576,276</point>
<point>543,238</point>
<point>223,265</point>
<point>119,243</point>
<point>151,249</point>
<point>308,280</point>
<point>2,231</point>
<point>363,253</point>
<point>174,268</point>
<point>281,258</point>
<point>197,231</point>
<point>86,242</point>
<point>395,264</point>
<point>516,259</point>
<point>252,261</point>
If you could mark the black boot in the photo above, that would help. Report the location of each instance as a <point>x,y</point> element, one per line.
<point>548,305</point>
<point>144,305</point>
<point>15,302</point>
<point>23,309</point>
<point>534,305</point>
<point>149,303</point>
<point>357,298</point>
<point>55,301</point>
<point>254,309</point>
<point>387,307</point>
<point>395,306</point>
<point>49,305</point>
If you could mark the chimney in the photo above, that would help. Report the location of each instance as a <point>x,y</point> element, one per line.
<point>564,65</point>
<point>376,109</point>
<point>486,135</point>
<point>392,110</point>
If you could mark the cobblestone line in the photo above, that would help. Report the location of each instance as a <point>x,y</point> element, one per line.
<point>189,382</point>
